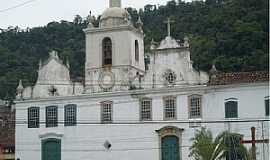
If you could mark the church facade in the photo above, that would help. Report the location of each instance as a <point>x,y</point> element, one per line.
<point>127,109</point>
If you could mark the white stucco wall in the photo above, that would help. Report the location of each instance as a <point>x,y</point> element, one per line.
<point>124,66</point>
<point>135,140</point>
<point>176,60</point>
<point>123,42</point>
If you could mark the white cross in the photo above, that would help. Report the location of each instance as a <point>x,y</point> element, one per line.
<point>168,22</point>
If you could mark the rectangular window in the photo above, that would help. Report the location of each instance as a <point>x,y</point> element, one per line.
<point>170,108</point>
<point>33,117</point>
<point>106,112</point>
<point>231,109</point>
<point>70,115</point>
<point>266,101</point>
<point>146,109</point>
<point>51,116</point>
<point>195,106</point>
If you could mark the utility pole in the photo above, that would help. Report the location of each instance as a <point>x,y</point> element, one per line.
<point>263,138</point>
<point>229,140</point>
<point>253,141</point>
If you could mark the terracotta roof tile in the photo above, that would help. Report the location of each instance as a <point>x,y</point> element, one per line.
<point>239,77</point>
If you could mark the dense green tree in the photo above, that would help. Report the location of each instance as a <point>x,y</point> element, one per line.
<point>232,33</point>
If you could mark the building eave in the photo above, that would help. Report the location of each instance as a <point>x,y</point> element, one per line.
<point>201,89</point>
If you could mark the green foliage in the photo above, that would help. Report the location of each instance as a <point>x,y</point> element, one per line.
<point>232,33</point>
<point>204,147</point>
<point>226,145</point>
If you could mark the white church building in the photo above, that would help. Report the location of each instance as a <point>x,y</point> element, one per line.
<point>129,110</point>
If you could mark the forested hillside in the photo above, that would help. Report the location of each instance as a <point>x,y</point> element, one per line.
<point>231,33</point>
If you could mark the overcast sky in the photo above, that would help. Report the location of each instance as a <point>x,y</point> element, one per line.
<point>40,12</point>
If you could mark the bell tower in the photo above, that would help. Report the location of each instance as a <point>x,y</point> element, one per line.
<point>114,52</point>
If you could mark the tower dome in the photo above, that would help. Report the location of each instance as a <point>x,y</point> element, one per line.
<point>115,15</point>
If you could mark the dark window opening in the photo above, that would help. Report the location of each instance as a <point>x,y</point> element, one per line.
<point>70,115</point>
<point>51,116</point>
<point>231,109</point>
<point>136,50</point>
<point>107,51</point>
<point>33,117</point>
<point>266,107</point>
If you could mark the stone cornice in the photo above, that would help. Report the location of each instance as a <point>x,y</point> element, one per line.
<point>181,90</point>
<point>111,29</point>
<point>115,67</point>
<point>51,135</point>
<point>182,48</point>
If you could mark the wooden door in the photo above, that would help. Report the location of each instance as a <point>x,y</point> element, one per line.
<point>51,149</point>
<point>170,148</point>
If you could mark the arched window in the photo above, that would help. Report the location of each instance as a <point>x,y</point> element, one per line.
<point>136,50</point>
<point>107,51</point>
<point>231,108</point>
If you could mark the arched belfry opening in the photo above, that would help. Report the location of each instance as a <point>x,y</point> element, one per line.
<point>107,52</point>
<point>137,50</point>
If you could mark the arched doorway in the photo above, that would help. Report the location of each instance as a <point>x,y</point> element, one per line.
<point>51,149</point>
<point>170,143</point>
<point>170,148</point>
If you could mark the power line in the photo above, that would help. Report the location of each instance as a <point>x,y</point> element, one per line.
<point>17,6</point>
<point>124,122</point>
<point>102,150</point>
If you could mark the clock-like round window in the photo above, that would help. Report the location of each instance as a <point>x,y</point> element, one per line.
<point>170,77</point>
<point>106,80</point>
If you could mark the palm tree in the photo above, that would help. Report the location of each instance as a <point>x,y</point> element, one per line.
<point>204,147</point>
<point>224,146</point>
<point>232,148</point>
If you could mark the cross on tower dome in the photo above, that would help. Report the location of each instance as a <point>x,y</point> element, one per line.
<point>168,22</point>
<point>115,3</point>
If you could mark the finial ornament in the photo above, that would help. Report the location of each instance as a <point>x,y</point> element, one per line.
<point>169,22</point>
<point>40,64</point>
<point>20,89</point>
<point>186,41</point>
<point>115,3</point>
<point>90,20</point>
<point>67,64</point>
<point>139,24</point>
<point>54,54</point>
<point>213,71</point>
<point>153,44</point>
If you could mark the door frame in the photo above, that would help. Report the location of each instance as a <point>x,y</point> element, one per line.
<point>47,140</point>
<point>170,131</point>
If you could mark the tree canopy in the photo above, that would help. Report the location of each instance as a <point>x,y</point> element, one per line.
<point>225,146</point>
<point>233,34</point>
